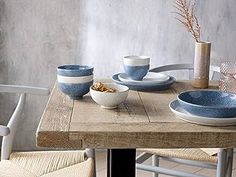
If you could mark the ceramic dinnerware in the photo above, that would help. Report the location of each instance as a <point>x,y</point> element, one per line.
<point>110,100</point>
<point>74,80</point>
<point>208,103</point>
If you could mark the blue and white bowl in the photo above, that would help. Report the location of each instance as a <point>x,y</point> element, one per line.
<point>136,67</point>
<point>208,103</point>
<point>75,80</point>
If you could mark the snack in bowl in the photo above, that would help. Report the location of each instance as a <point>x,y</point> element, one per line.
<point>102,88</point>
<point>108,95</point>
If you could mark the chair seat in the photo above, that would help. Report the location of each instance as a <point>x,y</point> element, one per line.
<point>48,164</point>
<point>10,169</point>
<point>188,154</point>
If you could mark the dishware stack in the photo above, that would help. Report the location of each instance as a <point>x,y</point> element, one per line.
<point>206,107</point>
<point>75,80</point>
<point>138,77</point>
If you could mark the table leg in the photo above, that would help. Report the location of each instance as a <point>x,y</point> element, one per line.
<point>230,156</point>
<point>121,162</point>
<point>221,165</point>
<point>225,162</point>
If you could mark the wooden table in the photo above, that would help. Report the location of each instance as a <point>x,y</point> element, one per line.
<point>144,120</point>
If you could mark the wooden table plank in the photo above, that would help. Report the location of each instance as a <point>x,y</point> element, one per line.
<point>157,105</point>
<point>152,135</point>
<point>54,125</point>
<point>132,110</point>
<point>58,112</point>
<point>181,86</point>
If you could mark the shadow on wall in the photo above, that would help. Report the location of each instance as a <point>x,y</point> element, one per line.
<point>3,64</point>
<point>3,67</point>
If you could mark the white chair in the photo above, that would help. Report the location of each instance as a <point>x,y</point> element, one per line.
<point>194,157</point>
<point>189,67</point>
<point>39,163</point>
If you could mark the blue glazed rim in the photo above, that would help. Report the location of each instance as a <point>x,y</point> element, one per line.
<point>73,67</point>
<point>74,70</point>
<point>202,106</point>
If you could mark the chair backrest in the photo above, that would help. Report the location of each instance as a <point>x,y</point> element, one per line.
<point>189,67</point>
<point>4,130</point>
<point>15,118</point>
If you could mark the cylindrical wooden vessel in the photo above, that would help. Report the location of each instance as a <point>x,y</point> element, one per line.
<point>201,64</point>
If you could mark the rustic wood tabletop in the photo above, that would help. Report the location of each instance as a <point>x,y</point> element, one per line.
<point>144,120</point>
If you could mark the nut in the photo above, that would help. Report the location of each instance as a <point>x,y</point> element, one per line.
<point>102,88</point>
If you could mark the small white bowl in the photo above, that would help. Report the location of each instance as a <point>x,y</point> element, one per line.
<point>110,100</point>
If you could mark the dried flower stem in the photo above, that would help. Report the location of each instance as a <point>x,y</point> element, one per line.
<point>187,17</point>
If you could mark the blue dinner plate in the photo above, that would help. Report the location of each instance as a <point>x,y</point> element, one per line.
<point>147,87</point>
<point>209,103</point>
<point>188,117</point>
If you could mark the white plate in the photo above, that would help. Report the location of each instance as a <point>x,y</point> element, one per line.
<point>145,87</point>
<point>150,78</point>
<point>188,117</point>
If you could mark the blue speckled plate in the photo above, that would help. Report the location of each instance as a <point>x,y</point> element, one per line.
<point>209,103</point>
<point>147,87</point>
<point>188,117</point>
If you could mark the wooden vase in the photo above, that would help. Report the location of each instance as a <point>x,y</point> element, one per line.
<point>201,64</point>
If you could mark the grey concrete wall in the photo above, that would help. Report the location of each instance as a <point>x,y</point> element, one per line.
<point>38,35</point>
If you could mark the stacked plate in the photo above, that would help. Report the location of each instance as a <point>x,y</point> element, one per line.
<point>206,107</point>
<point>151,82</point>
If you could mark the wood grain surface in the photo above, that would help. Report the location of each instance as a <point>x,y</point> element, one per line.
<point>144,120</point>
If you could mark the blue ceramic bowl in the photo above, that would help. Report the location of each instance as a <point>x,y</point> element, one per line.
<point>136,67</point>
<point>209,103</point>
<point>74,80</point>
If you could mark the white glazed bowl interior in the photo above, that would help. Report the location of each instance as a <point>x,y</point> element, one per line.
<point>110,100</point>
<point>136,60</point>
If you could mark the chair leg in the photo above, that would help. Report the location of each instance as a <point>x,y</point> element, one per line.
<point>221,165</point>
<point>230,155</point>
<point>94,159</point>
<point>91,153</point>
<point>155,162</point>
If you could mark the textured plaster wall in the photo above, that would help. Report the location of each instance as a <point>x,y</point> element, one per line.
<point>38,35</point>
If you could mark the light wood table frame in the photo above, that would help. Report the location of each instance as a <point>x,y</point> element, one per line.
<point>144,120</point>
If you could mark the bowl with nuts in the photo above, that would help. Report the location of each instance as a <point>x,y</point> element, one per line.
<point>108,95</point>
